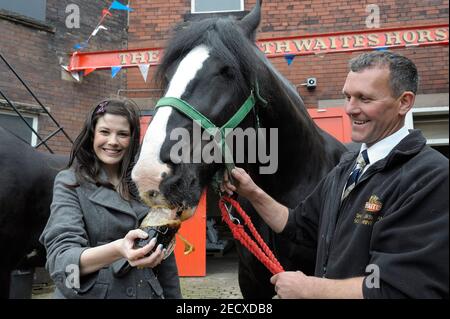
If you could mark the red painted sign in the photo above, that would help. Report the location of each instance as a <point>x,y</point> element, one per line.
<point>302,45</point>
<point>106,59</point>
<point>356,41</point>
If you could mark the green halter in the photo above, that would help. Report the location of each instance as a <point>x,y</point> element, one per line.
<point>190,111</point>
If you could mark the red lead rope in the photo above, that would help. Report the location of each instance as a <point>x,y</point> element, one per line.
<point>262,252</point>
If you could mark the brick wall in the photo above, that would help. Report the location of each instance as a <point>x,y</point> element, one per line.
<point>299,18</point>
<point>151,24</point>
<point>36,56</point>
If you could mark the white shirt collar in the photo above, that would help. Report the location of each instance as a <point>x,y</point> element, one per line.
<point>382,148</point>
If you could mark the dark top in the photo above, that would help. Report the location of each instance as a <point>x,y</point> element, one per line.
<point>90,216</point>
<point>393,226</point>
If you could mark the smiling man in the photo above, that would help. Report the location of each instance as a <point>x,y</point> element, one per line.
<point>376,104</point>
<point>379,220</point>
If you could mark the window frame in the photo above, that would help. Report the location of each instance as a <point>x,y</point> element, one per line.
<point>26,15</point>
<point>418,112</point>
<point>219,11</point>
<point>33,117</point>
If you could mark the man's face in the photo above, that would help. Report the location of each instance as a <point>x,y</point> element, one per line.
<point>374,112</point>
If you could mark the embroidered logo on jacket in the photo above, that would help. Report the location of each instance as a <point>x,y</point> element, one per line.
<point>373,205</point>
<point>370,213</point>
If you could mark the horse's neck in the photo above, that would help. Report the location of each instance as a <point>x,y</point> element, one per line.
<point>301,152</point>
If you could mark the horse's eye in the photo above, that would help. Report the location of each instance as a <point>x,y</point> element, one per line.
<point>226,71</point>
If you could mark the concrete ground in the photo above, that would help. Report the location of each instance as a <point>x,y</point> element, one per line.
<point>220,282</point>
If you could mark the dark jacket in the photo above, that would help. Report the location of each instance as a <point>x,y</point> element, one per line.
<point>89,216</point>
<point>395,221</point>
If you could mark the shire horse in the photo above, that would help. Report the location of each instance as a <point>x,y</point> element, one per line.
<point>26,188</point>
<point>214,65</point>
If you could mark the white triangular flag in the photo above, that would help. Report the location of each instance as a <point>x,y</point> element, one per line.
<point>76,76</point>
<point>100,27</point>
<point>144,70</point>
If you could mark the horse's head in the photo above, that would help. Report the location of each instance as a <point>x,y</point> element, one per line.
<point>211,66</point>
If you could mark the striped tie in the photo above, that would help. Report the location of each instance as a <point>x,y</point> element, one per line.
<point>361,162</point>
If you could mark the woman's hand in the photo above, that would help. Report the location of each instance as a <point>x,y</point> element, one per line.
<point>137,256</point>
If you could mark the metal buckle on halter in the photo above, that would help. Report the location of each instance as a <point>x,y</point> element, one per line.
<point>235,220</point>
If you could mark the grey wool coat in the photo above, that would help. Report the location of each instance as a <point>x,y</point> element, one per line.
<point>89,216</point>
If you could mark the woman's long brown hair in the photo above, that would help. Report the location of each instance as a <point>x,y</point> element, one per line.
<point>86,164</point>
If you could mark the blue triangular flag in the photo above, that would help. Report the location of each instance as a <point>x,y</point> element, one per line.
<point>115,70</point>
<point>80,46</point>
<point>119,6</point>
<point>381,48</point>
<point>289,58</point>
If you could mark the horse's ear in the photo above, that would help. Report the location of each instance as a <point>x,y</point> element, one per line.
<point>251,21</point>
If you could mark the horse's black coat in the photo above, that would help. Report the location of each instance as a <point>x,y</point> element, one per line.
<point>26,187</point>
<point>305,153</point>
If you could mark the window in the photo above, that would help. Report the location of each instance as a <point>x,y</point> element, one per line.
<point>208,6</point>
<point>34,9</point>
<point>15,124</point>
<point>433,122</point>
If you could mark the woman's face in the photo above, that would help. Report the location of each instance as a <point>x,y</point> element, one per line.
<point>111,139</point>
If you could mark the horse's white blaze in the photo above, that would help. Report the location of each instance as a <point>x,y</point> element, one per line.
<point>149,168</point>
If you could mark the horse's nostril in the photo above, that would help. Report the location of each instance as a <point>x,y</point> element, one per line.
<point>163,175</point>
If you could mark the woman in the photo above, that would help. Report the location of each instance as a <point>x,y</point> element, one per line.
<point>95,217</point>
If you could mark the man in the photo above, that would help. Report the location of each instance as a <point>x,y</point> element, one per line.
<point>379,219</point>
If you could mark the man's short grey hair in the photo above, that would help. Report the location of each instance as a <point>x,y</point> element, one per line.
<point>403,72</point>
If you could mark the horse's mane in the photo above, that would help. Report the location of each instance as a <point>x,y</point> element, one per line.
<point>227,42</point>
<point>223,37</point>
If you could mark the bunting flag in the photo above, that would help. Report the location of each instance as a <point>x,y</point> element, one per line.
<point>88,71</point>
<point>100,27</point>
<point>116,5</point>
<point>144,70</point>
<point>320,54</point>
<point>289,58</point>
<point>381,48</point>
<point>115,70</point>
<point>105,12</point>
<point>80,46</point>
<point>76,76</point>
<point>412,45</point>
